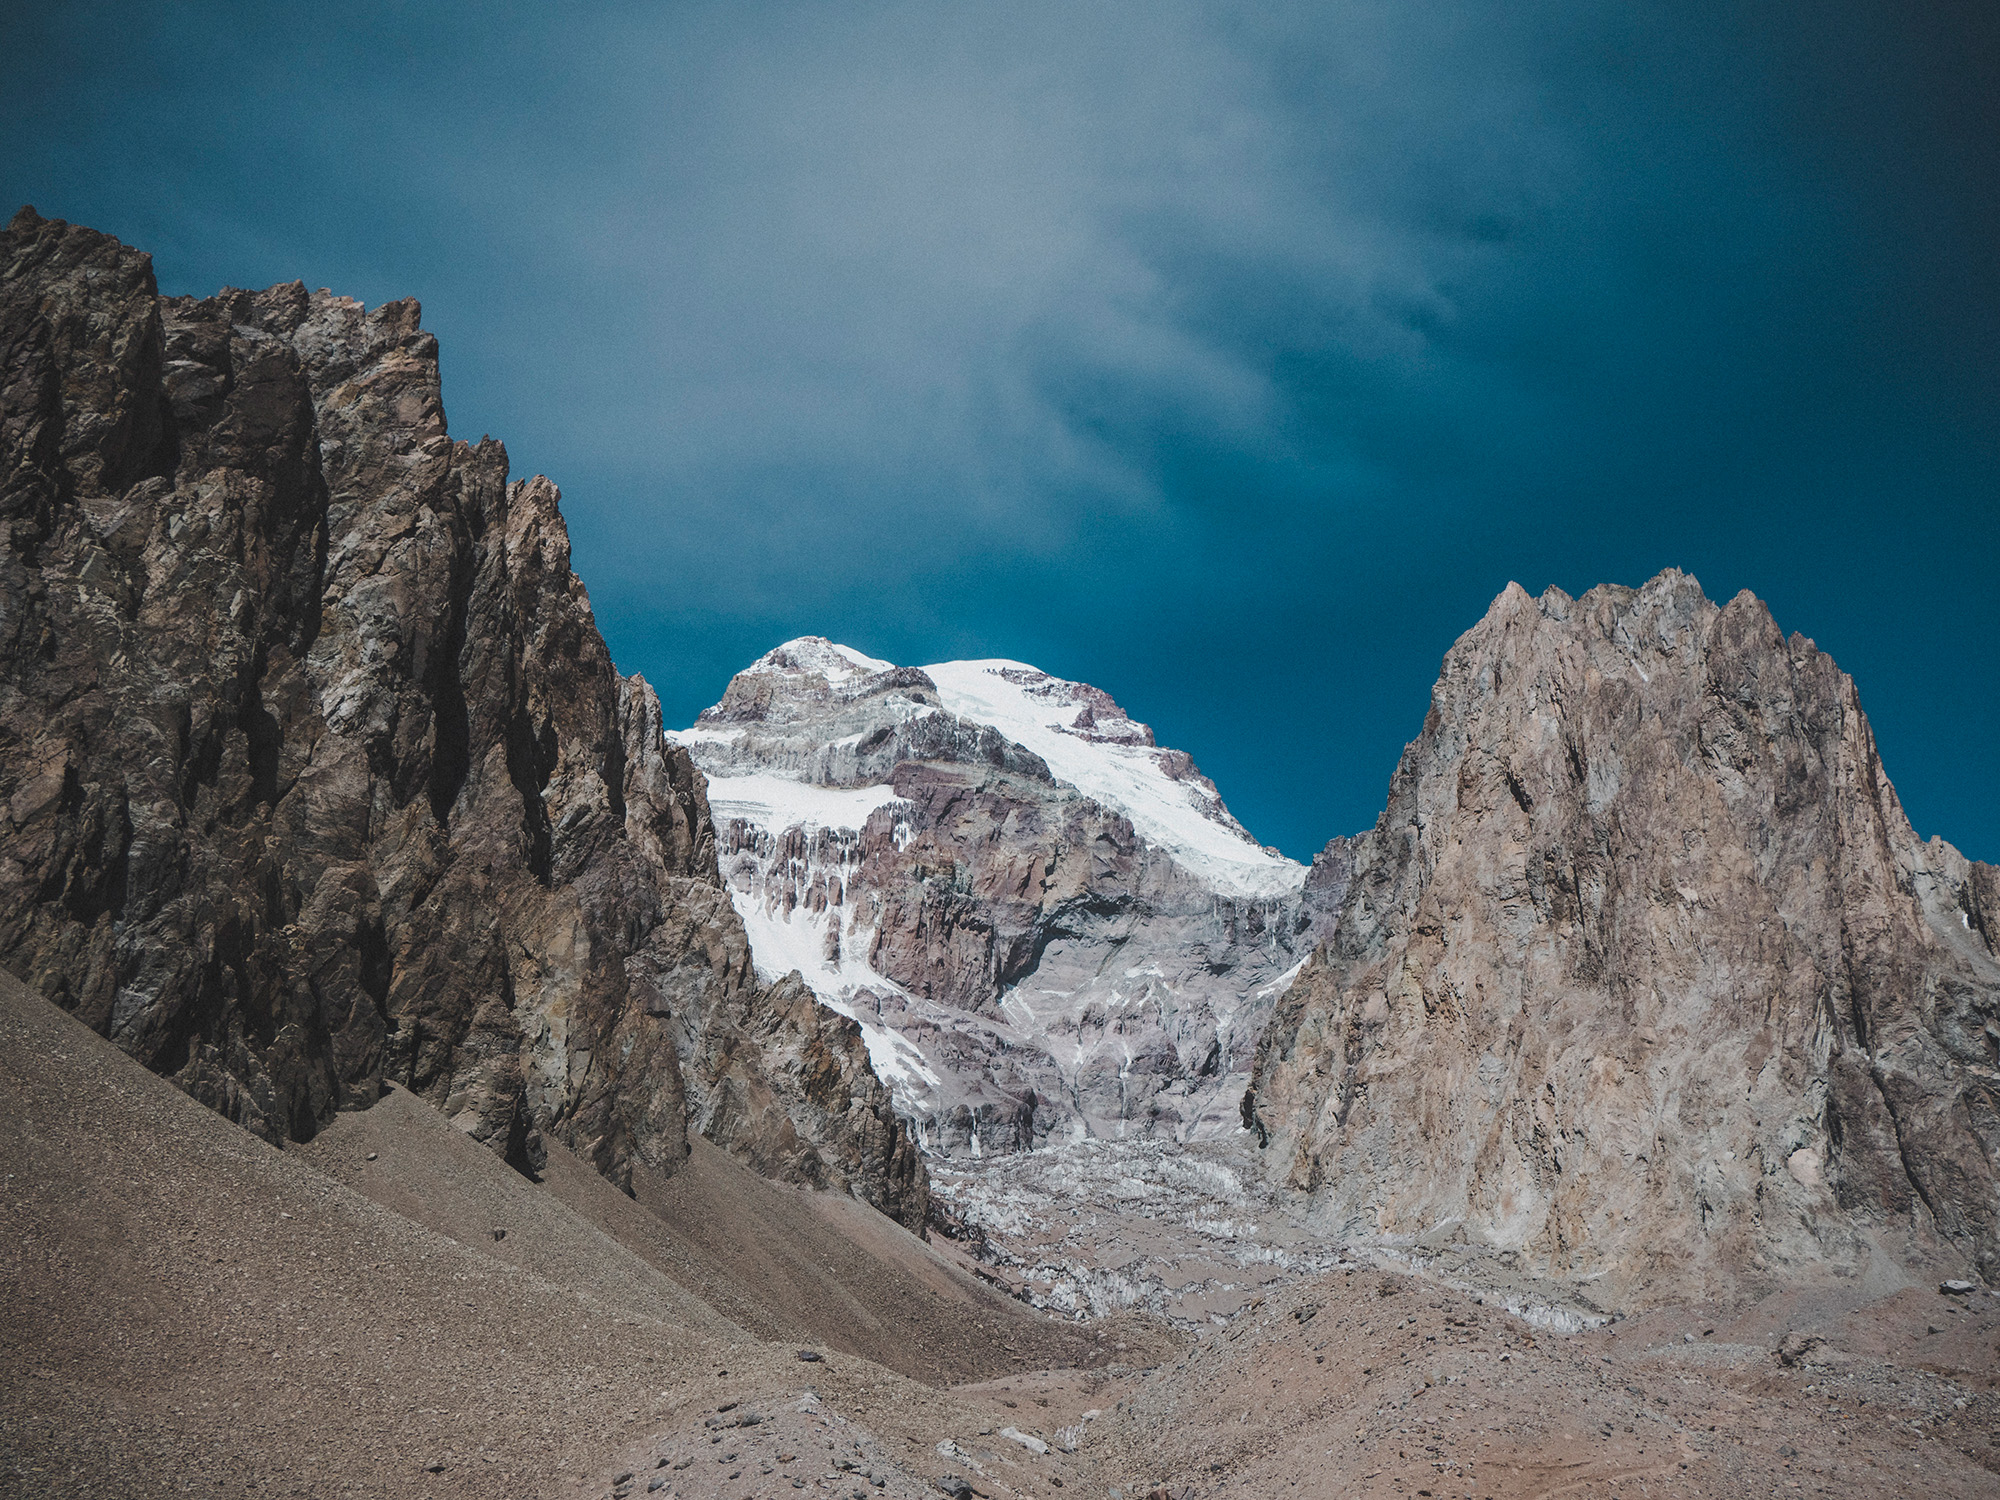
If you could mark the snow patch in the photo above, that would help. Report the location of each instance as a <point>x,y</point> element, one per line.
<point>800,939</point>
<point>781,942</point>
<point>702,734</point>
<point>1283,982</point>
<point>777,803</point>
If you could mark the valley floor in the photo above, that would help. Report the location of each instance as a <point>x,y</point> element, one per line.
<point>390,1311</point>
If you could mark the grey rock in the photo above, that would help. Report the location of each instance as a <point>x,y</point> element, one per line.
<point>1797,1348</point>
<point>1643,973</point>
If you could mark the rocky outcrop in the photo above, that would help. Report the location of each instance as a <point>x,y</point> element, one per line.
<point>1039,943</point>
<point>1643,975</point>
<point>317,773</point>
<point>787,1086</point>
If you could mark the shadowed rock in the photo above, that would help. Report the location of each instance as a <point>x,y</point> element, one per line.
<point>317,773</point>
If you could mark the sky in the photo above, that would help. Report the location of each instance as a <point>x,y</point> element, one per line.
<point>1230,358</point>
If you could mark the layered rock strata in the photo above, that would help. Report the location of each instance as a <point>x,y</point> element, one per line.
<point>1049,927</point>
<point>1643,977</point>
<point>317,775</point>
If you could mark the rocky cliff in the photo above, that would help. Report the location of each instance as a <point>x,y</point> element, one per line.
<point>1048,926</point>
<point>1643,976</point>
<point>317,774</point>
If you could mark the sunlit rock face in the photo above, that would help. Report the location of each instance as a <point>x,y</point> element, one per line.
<point>1643,974</point>
<point>1048,927</point>
<point>316,773</point>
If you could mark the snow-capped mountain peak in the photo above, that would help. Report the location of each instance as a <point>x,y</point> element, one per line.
<point>1046,924</point>
<point>1078,731</point>
<point>816,654</point>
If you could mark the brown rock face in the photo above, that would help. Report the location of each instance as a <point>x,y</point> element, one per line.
<point>788,1088</point>
<point>317,773</point>
<point>1643,973</point>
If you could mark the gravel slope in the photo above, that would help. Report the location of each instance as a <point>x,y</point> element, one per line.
<point>191,1310</point>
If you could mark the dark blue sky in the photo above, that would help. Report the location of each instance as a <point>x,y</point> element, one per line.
<point>1230,358</point>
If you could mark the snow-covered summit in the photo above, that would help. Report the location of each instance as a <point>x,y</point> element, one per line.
<point>816,654</point>
<point>815,686</point>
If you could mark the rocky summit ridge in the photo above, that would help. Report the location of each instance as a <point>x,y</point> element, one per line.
<point>317,777</point>
<point>1049,927</point>
<point>1643,979</point>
